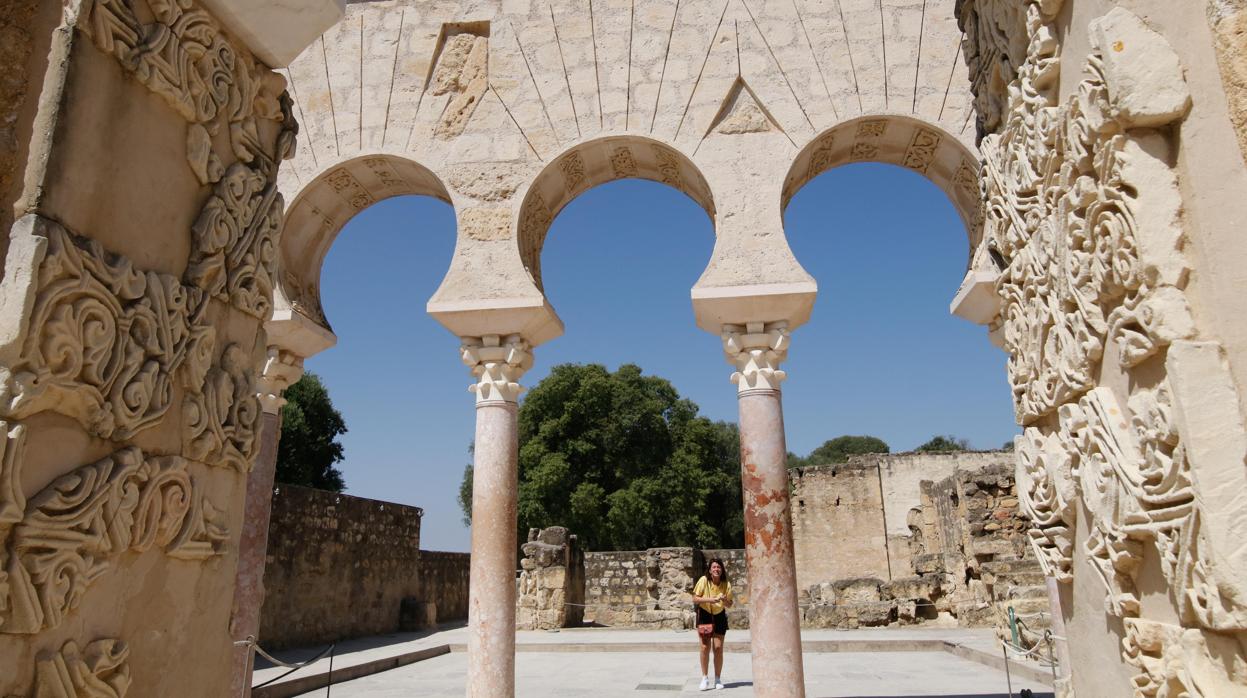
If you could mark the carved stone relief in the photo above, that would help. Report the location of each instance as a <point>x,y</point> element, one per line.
<point>921,151</point>
<point>622,162</point>
<point>183,57</point>
<point>573,168</point>
<point>222,418</point>
<point>107,338</point>
<point>99,670</point>
<point>74,529</point>
<point>461,70</point>
<point>1085,212</point>
<point>668,166</point>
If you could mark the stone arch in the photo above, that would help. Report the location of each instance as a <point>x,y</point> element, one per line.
<point>594,162</point>
<point>317,215</point>
<point>930,151</point>
<point>896,140</point>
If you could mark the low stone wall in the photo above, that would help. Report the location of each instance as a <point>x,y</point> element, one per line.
<point>341,567</point>
<point>650,588</point>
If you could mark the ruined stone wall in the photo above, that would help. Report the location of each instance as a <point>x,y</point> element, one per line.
<point>837,523</point>
<point>550,589</point>
<point>338,567</point>
<point>444,583</point>
<point>843,514</point>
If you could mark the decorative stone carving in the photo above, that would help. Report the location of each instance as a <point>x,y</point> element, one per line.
<point>622,162</point>
<point>756,350</point>
<point>183,57</point>
<point>103,340</point>
<point>462,71</point>
<point>573,169</point>
<point>668,166</point>
<point>497,363</point>
<point>75,528</point>
<point>535,219</point>
<point>100,670</point>
<point>1084,212</point>
<point>921,151</point>
<point>282,369</point>
<point>1090,228</point>
<point>220,420</point>
<point>872,128</point>
<point>235,252</point>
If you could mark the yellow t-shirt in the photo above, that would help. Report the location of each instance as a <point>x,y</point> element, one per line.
<point>705,587</point>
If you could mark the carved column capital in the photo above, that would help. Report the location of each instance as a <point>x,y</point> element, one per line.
<point>756,349</point>
<point>281,370</point>
<point>497,362</point>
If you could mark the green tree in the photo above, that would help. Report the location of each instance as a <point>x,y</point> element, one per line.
<point>309,446</point>
<point>624,462</point>
<point>944,444</point>
<point>839,449</point>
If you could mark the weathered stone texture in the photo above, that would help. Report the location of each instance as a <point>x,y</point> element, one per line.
<point>551,584</point>
<point>650,588</point>
<point>341,567</point>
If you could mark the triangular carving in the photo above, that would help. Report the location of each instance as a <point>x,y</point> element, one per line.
<point>742,112</point>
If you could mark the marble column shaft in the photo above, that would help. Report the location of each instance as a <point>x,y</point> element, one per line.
<point>491,597</point>
<point>757,349</point>
<point>497,363</point>
<point>252,552</point>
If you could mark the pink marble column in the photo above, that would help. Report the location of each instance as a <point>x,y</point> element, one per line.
<point>491,597</point>
<point>774,617</point>
<point>280,370</point>
<point>497,364</point>
<point>252,547</point>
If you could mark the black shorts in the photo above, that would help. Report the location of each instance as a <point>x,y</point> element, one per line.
<point>719,620</point>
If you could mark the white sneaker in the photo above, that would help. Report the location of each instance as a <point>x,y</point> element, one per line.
<point>705,684</point>
<point>718,682</point>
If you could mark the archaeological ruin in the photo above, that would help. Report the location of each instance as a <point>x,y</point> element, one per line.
<point>173,173</point>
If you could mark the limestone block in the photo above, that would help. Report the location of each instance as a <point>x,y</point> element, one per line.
<point>1144,76</point>
<point>862,589</point>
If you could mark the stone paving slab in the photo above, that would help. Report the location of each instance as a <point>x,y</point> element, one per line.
<point>365,656</point>
<point>672,675</point>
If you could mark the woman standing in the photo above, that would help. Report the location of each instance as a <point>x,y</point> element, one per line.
<point>713,595</point>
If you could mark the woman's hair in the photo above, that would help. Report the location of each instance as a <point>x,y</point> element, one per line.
<point>721,566</point>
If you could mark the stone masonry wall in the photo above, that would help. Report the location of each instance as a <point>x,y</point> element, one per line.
<point>650,588</point>
<point>340,567</point>
<point>844,513</point>
<point>444,583</point>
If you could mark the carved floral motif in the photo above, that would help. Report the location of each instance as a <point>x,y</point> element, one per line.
<point>107,338</point>
<point>75,528</point>
<point>221,419</point>
<point>100,670</point>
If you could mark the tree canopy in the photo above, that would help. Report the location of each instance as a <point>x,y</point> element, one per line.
<point>625,462</point>
<point>944,444</point>
<point>309,446</point>
<point>838,450</point>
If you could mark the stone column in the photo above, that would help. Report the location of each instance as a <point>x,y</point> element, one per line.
<point>756,350</point>
<point>280,370</point>
<point>497,363</point>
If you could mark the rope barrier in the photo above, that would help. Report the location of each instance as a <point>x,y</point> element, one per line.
<point>293,667</point>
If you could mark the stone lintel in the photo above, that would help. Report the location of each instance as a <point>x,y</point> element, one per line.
<point>533,318</point>
<point>717,306</point>
<point>277,32</point>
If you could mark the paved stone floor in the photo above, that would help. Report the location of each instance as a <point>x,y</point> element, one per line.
<point>660,674</point>
<point>620,662</point>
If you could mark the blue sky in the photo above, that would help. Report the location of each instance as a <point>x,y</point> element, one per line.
<point>881,354</point>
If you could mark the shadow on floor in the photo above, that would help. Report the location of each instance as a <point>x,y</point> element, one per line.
<point>303,654</point>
